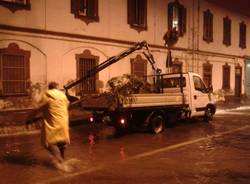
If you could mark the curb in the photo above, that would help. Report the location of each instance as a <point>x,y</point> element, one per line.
<point>23,133</point>
<point>32,129</point>
<point>8,131</point>
<point>12,121</point>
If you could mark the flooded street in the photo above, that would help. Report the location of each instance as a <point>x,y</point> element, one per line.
<point>189,152</point>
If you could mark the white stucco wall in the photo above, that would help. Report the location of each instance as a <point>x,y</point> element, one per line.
<point>53,56</point>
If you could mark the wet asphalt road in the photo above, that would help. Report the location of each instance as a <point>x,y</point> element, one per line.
<point>190,152</point>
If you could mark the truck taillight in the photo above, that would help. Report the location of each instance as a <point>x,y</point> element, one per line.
<point>91,119</point>
<point>122,121</point>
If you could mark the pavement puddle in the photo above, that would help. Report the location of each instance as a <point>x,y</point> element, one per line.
<point>142,155</point>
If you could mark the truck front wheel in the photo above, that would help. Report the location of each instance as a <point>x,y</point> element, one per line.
<point>157,124</point>
<point>208,114</point>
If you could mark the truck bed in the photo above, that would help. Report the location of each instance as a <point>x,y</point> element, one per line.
<point>108,102</point>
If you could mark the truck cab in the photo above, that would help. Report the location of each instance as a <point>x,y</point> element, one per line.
<point>197,95</point>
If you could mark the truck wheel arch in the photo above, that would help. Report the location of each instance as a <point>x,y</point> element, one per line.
<point>156,121</point>
<point>212,107</point>
<point>209,112</point>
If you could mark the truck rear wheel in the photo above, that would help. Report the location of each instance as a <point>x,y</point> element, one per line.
<point>157,124</point>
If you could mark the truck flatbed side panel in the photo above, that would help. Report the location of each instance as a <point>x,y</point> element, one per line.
<point>98,102</point>
<point>142,100</point>
<point>155,99</point>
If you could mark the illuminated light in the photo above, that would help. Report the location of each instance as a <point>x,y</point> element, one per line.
<point>91,119</point>
<point>122,121</point>
<point>248,65</point>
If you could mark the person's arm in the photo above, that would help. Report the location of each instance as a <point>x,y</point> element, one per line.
<point>36,113</point>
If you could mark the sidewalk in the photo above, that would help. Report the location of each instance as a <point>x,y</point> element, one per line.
<point>233,103</point>
<point>12,122</point>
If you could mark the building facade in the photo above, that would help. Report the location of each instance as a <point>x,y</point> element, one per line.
<point>48,40</point>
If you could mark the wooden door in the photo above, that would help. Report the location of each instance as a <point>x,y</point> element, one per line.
<point>238,81</point>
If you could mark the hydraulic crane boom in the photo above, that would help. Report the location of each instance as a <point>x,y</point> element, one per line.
<point>114,59</point>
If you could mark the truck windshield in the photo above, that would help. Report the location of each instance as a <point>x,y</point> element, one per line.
<point>198,84</point>
<point>173,82</point>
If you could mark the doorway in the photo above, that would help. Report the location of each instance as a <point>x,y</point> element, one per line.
<point>238,79</point>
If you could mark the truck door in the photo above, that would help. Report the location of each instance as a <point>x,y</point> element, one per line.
<point>200,96</point>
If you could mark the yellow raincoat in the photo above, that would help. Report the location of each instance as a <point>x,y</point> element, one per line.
<point>55,126</point>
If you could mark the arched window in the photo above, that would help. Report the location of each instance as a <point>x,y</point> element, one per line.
<point>207,73</point>
<point>85,62</point>
<point>139,67</point>
<point>177,66</point>
<point>14,71</point>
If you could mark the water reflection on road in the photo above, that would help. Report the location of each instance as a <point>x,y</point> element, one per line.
<point>189,152</point>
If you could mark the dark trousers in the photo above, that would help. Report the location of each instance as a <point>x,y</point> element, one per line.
<point>57,150</point>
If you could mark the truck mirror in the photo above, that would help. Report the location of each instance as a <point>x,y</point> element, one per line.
<point>210,88</point>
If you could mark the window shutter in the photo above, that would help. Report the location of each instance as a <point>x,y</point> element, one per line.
<point>226,31</point>
<point>142,12</point>
<point>20,1</point>
<point>229,32</point>
<point>182,20</point>
<point>1,85</point>
<point>211,27</point>
<point>131,12</point>
<point>226,77</point>
<point>75,6</point>
<point>96,8</point>
<point>242,35</point>
<point>205,26</point>
<point>170,16</point>
<point>92,8</point>
<point>1,56</point>
<point>27,68</point>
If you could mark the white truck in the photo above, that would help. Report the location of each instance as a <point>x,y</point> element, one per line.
<point>173,96</point>
<point>179,96</point>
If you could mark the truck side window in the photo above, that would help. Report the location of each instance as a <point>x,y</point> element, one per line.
<point>198,84</point>
<point>173,82</point>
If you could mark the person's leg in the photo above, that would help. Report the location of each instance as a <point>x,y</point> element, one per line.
<point>58,159</point>
<point>55,151</point>
<point>62,147</point>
